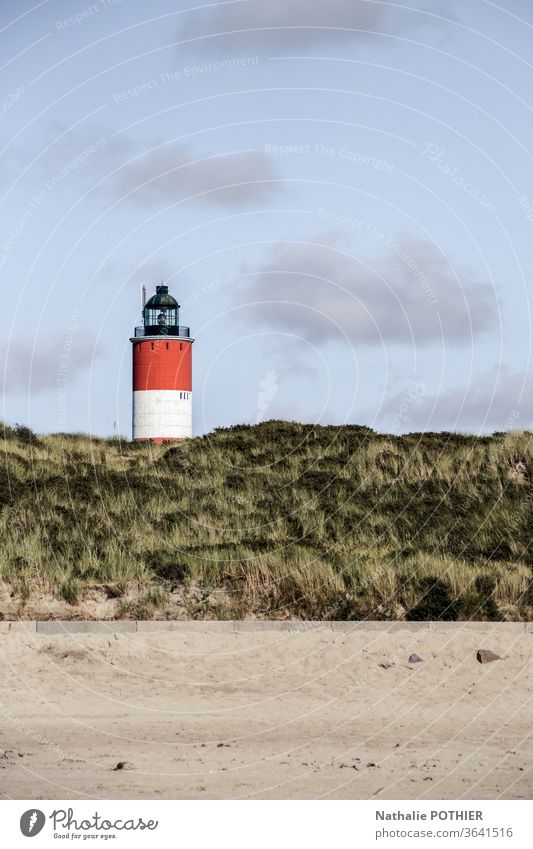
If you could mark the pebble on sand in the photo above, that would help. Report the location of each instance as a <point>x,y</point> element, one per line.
<point>414,658</point>
<point>487,656</point>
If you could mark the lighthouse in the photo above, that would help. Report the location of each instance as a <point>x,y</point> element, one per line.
<point>162,372</point>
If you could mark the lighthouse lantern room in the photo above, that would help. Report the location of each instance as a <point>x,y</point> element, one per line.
<point>162,372</point>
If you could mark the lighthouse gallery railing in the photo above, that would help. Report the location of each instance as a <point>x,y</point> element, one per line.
<point>152,330</point>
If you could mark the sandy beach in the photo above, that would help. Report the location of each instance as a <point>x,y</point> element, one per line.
<point>204,711</point>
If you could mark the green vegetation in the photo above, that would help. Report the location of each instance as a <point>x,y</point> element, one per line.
<point>276,520</point>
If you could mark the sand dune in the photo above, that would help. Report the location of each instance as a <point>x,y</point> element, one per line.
<point>198,713</point>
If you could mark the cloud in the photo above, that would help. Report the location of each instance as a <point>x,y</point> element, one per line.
<point>409,294</point>
<point>291,356</point>
<point>499,399</point>
<point>132,273</point>
<point>282,24</point>
<point>54,362</point>
<point>232,180</point>
<point>165,172</point>
<point>69,158</point>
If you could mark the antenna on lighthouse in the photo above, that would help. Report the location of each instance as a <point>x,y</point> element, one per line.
<point>143,297</point>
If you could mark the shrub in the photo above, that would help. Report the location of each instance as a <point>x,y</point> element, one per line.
<point>71,590</point>
<point>167,566</point>
<point>26,435</point>
<point>485,586</point>
<point>279,519</point>
<point>436,603</point>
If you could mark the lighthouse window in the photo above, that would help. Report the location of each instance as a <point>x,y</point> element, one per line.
<point>160,316</point>
<point>152,346</point>
<point>167,346</point>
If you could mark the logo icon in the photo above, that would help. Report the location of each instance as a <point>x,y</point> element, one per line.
<point>32,822</point>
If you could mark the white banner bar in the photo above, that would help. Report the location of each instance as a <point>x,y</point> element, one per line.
<point>263,825</point>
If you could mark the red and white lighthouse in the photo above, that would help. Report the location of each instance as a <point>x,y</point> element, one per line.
<point>162,372</point>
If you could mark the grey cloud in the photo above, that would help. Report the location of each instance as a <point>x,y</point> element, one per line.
<point>290,356</point>
<point>154,270</point>
<point>123,271</point>
<point>54,362</point>
<point>499,399</point>
<point>298,23</point>
<point>408,294</point>
<point>229,180</point>
<point>164,173</point>
<point>68,158</point>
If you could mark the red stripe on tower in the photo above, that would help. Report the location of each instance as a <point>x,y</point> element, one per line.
<point>162,372</point>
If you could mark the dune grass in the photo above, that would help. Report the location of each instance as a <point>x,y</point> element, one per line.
<point>279,519</point>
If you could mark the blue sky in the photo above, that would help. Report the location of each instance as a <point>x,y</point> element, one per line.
<point>340,195</point>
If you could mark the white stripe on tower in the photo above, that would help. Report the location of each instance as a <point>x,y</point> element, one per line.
<point>162,414</point>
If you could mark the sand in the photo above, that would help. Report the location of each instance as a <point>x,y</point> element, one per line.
<point>198,713</point>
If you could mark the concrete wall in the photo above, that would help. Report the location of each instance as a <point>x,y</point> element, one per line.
<point>129,626</point>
